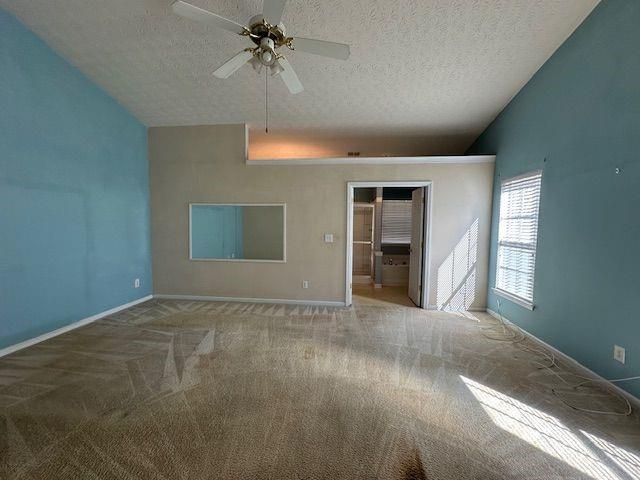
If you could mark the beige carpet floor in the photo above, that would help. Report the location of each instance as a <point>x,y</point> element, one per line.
<point>197,390</point>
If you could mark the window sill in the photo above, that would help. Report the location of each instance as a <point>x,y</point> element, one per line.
<point>517,300</point>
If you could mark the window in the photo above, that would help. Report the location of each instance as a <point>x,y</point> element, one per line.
<point>396,222</point>
<point>518,238</point>
<point>237,232</point>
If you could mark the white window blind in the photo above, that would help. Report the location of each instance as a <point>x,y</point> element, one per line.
<point>396,221</point>
<point>518,236</point>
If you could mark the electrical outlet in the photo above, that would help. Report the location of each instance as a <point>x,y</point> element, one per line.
<point>619,353</point>
<point>328,238</point>
<point>136,283</point>
<point>305,283</point>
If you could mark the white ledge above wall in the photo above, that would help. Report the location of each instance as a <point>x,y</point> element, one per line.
<point>459,159</point>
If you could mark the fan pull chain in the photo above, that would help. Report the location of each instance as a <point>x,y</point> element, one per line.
<point>266,100</point>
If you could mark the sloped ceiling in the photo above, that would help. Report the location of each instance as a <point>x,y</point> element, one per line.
<point>440,70</point>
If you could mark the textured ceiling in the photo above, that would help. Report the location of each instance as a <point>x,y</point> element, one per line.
<point>418,67</point>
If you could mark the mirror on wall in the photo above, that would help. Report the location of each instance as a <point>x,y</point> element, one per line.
<point>237,232</point>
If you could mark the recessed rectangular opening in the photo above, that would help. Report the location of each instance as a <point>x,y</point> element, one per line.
<point>237,232</point>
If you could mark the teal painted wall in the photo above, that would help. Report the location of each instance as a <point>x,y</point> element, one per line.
<point>577,120</point>
<point>74,215</point>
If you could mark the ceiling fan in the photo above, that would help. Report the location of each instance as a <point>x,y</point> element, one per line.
<point>268,33</point>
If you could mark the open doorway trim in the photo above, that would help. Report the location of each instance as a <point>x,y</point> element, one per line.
<point>426,274</point>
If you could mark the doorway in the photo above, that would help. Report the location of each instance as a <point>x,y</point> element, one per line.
<point>388,232</point>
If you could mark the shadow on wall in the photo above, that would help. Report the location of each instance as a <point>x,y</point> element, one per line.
<point>456,280</point>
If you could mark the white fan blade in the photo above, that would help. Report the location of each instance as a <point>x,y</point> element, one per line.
<point>289,77</point>
<point>203,16</point>
<point>228,68</point>
<point>272,11</point>
<point>320,47</point>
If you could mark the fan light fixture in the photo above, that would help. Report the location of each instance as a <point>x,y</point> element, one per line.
<point>268,34</point>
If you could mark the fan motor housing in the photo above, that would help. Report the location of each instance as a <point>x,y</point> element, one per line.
<point>260,29</point>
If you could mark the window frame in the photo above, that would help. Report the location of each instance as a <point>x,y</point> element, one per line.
<point>525,247</point>
<point>238,260</point>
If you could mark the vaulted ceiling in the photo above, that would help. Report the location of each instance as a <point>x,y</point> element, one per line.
<point>432,68</point>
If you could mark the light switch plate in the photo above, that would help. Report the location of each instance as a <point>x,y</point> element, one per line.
<point>136,283</point>
<point>619,353</point>
<point>328,238</point>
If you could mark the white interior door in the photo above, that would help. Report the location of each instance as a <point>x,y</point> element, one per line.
<point>415,252</point>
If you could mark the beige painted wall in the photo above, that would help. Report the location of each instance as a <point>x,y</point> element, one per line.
<point>207,164</point>
<point>322,144</point>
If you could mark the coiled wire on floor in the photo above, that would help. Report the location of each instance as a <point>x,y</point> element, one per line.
<point>501,331</point>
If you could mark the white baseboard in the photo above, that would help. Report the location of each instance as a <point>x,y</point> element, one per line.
<point>72,326</point>
<point>477,309</point>
<point>572,361</point>
<point>208,298</point>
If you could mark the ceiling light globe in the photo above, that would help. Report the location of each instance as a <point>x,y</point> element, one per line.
<point>267,56</point>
